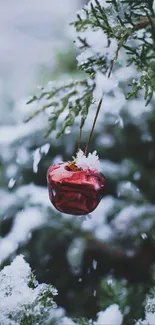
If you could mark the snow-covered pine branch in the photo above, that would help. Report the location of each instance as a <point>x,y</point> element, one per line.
<point>105,29</point>
<point>22,299</point>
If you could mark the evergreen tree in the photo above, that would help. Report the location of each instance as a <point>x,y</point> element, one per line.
<point>102,265</point>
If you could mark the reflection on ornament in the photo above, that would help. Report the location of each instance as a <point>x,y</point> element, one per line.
<point>74,190</point>
<point>77,187</point>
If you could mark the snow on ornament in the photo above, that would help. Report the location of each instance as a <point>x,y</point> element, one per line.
<point>76,187</point>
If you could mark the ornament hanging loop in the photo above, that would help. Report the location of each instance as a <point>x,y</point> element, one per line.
<point>91,133</point>
<point>97,112</point>
<point>79,139</point>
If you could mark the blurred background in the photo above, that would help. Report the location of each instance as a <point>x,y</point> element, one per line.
<point>32,33</point>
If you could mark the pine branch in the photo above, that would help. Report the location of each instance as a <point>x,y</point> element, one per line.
<point>135,269</point>
<point>118,25</point>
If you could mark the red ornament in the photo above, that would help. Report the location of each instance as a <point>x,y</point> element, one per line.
<point>73,190</point>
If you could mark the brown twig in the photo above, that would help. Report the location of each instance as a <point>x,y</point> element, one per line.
<point>135,268</point>
<point>143,23</point>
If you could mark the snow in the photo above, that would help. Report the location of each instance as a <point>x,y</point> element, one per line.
<point>87,163</point>
<point>12,182</point>
<point>140,108</point>
<point>111,316</point>
<point>35,202</point>
<point>125,219</point>
<point>37,155</point>
<point>98,42</point>
<point>82,12</point>
<point>36,160</point>
<point>150,317</point>
<point>22,155</point>
<point>103,3</point>
<point>128,190</point>
<point>66,321</point>
<point>123,73</point>
<point>103,85</point>
<point>119,121</point>
<point>103,233</point>
<point>113,170</point>
<point>94,264</point>
<point>45,148</point>
<point>98,225</point>
<point>75,253</point>
<point>115,103</point>
<point>98,47</point>
<point>10,134</point>
<point>149,313</point>
<point>15,294</point>
<point>34,195</point>
<point>24,223</point>
<point>107,141</point>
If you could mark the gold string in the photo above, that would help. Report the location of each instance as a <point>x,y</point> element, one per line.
<point>91,133</point>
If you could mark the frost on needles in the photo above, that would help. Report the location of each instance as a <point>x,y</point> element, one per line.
<point>109,35</point>
<point>22,299</point>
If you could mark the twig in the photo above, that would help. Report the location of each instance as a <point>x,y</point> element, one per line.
<point>90,136</point>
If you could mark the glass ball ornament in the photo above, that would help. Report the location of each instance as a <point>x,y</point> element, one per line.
<point>73,189</point>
